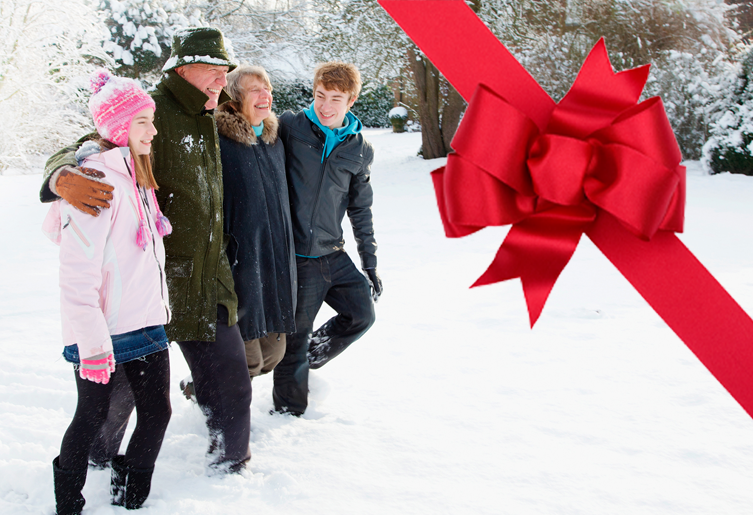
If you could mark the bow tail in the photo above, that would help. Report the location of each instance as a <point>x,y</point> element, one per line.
<point>537,249</point>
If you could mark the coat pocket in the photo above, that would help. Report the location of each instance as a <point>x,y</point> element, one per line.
<point>303,138</point>
<point>178,272</point>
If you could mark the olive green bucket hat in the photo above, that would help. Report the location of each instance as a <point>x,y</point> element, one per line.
<point>199,45</point>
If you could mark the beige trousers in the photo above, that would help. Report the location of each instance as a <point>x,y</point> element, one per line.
<point>263,354</point>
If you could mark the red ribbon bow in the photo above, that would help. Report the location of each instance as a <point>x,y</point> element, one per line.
<point>594,154</point>
<point>596,163</point>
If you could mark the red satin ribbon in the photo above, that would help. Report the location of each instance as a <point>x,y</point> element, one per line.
<point>597,163</point>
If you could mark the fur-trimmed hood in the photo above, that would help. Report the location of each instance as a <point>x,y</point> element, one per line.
<point>232,124</point>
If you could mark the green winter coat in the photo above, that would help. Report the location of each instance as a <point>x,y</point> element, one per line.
<point>188,170</point>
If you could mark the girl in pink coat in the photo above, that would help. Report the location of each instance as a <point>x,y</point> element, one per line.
<point>113,296</point>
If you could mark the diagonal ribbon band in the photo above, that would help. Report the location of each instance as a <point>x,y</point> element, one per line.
<point>597,163</point>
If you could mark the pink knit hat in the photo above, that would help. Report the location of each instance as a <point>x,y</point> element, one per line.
<point>114,102</point>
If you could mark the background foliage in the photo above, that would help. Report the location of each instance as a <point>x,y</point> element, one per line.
<point>48,48</point>
<point>730,147</point>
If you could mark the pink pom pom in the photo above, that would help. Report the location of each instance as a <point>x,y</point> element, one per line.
<point>164,227</point>
<point>98,80</point>
<point>142,236</point>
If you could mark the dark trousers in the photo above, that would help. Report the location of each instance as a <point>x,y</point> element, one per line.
<point>223,392</point>
<point>149,380</point>
<point>333,279</point>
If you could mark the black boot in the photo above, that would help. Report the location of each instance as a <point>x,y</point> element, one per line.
<point>118,480</point>
<point>129,487</point>
<point>68,485</point>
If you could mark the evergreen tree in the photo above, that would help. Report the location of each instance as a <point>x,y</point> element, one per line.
<point>730,147</point>
<point>141,33</point>
<point>373,105</point>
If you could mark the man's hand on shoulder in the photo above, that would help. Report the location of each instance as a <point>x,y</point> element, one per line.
<point>83,188</point>
<point>375,282</point>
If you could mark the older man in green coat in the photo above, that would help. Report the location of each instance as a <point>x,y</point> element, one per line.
<point>188,169</point>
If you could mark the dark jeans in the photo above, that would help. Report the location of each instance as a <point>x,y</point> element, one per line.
<point>149,379</point>
<point>333,279</point>
<point>223,392</point>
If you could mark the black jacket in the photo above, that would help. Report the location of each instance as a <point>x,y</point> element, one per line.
<point>322,192</point>
<point>257,220</point>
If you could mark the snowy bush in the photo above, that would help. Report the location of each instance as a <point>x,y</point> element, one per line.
<point>398,112</point>
<point>398,116</point>
<point>291,95</point>
<point>730,147</point>
<point>373,104</point>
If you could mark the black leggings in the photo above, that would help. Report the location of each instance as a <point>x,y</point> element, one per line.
<point>149,378</point>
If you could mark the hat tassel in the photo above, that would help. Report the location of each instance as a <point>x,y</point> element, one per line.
<point>164,227</point>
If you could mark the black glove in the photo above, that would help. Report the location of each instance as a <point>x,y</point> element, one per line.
<point>375,282</point>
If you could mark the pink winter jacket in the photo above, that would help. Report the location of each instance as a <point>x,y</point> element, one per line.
<point>108,284</point>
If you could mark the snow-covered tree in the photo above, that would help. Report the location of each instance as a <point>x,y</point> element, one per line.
<point>141,33</point>
<point>741,13</point>
<point>48,49</point>
<point>269,33</point>
<point>687,42</point>
<point>730,147</point>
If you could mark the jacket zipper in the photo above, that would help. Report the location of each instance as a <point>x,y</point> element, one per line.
<point>322,169</point>
<point>78,232</point>
<point>145,203</point>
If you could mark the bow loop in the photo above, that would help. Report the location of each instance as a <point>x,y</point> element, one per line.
<point>508,136</point>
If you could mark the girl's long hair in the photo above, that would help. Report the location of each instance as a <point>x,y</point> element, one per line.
<point>143,164</point>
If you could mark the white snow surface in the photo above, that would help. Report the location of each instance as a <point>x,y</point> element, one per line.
<point>450,404</point>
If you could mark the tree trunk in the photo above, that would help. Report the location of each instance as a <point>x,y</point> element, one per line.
<point>426,78</point>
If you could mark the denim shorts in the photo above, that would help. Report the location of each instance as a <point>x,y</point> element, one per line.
<point>129,346</point>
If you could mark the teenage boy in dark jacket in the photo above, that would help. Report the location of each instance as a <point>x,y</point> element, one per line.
<point>327,162</point>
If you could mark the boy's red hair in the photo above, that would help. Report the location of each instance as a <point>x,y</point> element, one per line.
<point>344,77</point>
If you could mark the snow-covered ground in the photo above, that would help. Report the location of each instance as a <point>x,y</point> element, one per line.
<point>451,404</point>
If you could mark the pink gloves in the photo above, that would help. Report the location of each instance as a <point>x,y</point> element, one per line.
<point>98,368</point>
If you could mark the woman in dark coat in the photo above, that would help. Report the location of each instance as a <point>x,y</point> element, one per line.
<point>257,217</point>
